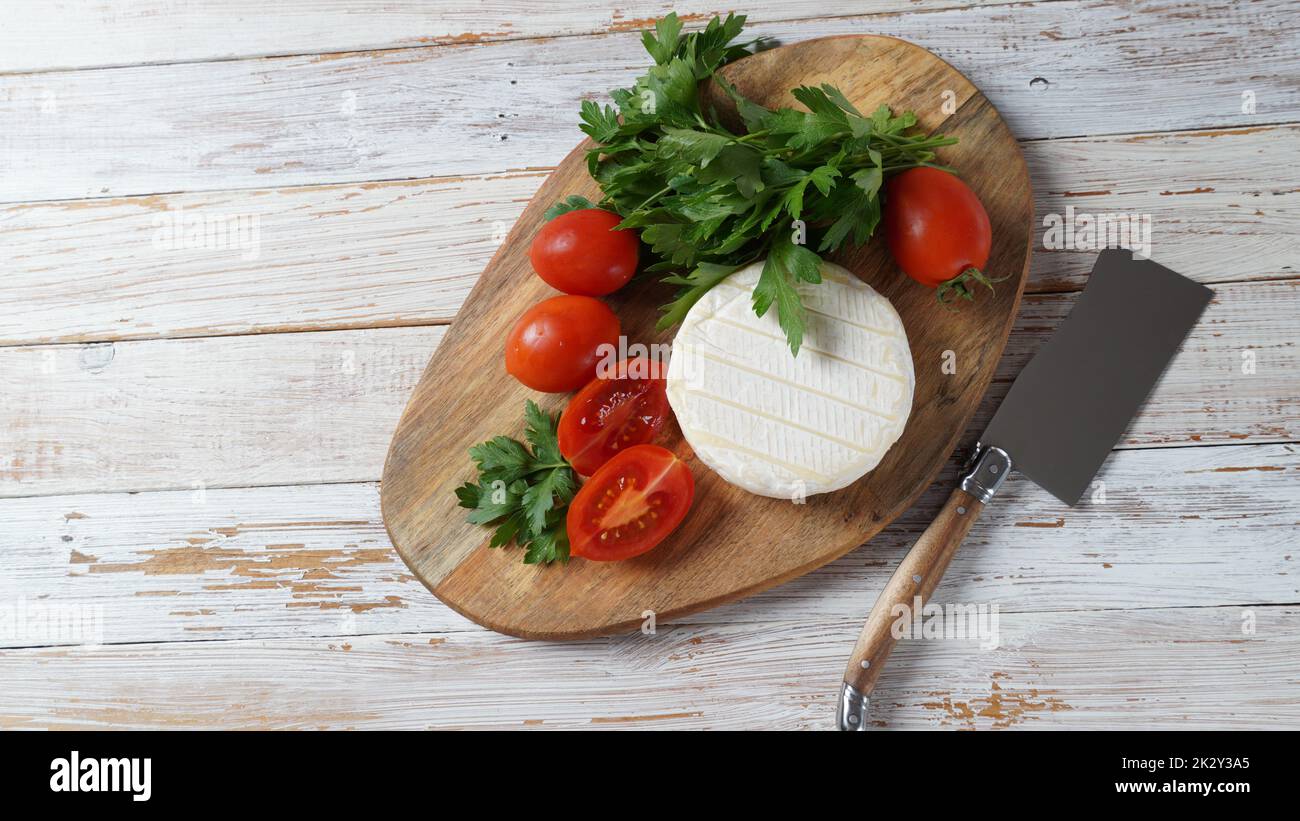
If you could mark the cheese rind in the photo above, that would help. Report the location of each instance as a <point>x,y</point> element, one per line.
<point>784,426</point>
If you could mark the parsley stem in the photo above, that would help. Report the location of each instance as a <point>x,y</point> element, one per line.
<point>666,189</point>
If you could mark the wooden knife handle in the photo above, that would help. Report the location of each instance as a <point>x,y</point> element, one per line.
<point>910,587</point>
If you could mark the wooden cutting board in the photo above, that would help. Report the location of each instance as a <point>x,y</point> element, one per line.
<point>732,543</point>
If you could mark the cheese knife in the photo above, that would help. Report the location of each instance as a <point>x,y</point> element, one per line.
<point>1061,418</point>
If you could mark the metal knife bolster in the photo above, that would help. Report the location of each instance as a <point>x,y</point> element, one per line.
<point>985,471</point>
<point>854,709</point>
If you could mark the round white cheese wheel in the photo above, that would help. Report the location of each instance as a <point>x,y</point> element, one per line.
<point>785,426</point>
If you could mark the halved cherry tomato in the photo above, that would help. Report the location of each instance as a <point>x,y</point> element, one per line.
<point>630,504</point>
<point>613,413</point>
<point>580,253</point>
<point>554,347</point>
<point>938,231</point>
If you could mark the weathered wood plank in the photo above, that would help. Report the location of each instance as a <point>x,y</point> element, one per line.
<point>1219,211</point>
<point>1191,668</point>
<point>182,413</point>
<point>86,34</point>
<point>443,111</point>
<point>375,254</point>
<point>1184,527</point>
<point>365,255</point>
<point>281,409</point>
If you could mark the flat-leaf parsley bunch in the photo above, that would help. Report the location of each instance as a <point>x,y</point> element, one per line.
<point>524,490</point>
<point>709,201</point>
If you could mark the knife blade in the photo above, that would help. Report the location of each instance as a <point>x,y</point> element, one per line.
<point>1074,400</point>
<point>1061,418</point>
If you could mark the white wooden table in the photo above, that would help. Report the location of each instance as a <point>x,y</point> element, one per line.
<point>193,429</point>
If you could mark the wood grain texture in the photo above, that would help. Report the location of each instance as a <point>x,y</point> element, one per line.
<point>1182,669</point>
<point>1180,527</point>
<point>713,556</point>
<point>1219,210</point>
<point>312,258</point>
<point>187,413</point>
<point>513,105</point>
<point>377,254</point>
<point>90,33</point>
<point>308,407</point>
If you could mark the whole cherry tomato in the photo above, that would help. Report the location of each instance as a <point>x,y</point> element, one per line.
<point>579,252</point>
<point>555,345</point>
<point>937,231</point>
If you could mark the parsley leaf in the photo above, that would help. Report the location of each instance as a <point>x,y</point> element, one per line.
<point>501,459</point>
<point>600,124</point>
<point>689,146</point>
<point>787,265</point>
<point>695,285</point>
<point>662,43</point>
<point>708,199</point>
<point>523,489</point>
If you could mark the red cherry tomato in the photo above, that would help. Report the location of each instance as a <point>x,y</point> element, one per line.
<point>579,252</point>
<point>613,414</point>
<point>630,504</point>
<point>554,347</point>
<point>937,230</point>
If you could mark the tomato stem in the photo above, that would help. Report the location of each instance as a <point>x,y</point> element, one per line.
<point>959,287</point>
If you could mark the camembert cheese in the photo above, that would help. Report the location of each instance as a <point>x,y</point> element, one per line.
<point>785,426</point>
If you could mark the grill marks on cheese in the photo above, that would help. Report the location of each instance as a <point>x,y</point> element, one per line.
<point>783,426</point>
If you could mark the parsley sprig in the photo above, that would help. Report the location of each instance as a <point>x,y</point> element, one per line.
<point>523,489</point>
<point>708,200</point>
